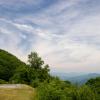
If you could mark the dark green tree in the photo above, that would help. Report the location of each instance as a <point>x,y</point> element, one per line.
<point>35,61</point>
<point>39,72</point>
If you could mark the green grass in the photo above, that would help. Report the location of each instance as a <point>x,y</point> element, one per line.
<point>23,93</point>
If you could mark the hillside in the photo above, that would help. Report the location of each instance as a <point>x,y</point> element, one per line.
<point>8,65</point>
<point>16,92</point>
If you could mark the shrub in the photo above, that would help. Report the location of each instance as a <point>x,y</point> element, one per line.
<point>3,81</point>
<point>54,90</point>
<point>82,93</point>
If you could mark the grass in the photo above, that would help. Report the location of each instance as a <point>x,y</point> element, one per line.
<point>23,93</point>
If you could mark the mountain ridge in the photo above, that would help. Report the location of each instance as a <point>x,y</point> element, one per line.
<point>79,78</point>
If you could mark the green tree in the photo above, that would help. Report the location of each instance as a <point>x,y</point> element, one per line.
<point>35,61</point>
<point>39,70</point>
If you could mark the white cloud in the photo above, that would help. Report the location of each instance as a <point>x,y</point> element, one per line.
<point>65,39</point>
<point>89,26</point>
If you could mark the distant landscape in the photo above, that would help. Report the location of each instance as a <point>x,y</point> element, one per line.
<point>41,84</point>
<point>78,78</point>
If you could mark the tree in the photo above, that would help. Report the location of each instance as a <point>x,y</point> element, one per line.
<point>39,72</point>
<point>35,61</point>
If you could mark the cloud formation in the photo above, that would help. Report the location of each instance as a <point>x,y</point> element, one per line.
<point>66,33</point>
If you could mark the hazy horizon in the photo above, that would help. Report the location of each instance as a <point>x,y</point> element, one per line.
<point>65,33</point>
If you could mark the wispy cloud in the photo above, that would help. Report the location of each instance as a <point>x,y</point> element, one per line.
<point>65,33</point>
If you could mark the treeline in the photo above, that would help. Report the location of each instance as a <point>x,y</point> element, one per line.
<point>36,73</point>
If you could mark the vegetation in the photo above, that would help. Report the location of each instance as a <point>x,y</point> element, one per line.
<point>94,84</point>
<point>13,70</point>
<point>36,74</point>
<point>59,90</point>
<point>8,65</point>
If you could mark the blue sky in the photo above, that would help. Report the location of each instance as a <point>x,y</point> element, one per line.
<point>65,33</point>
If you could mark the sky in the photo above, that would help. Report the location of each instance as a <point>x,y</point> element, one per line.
<point>65,33</point>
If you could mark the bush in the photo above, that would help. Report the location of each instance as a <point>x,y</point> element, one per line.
<point>82,93</point>
<point>94,84</point>
<point>59,90</point>
<point>21,75</point>
<point>54,90</point>
<point>35,83</point>
<point>3,81</point>
<point>47,92</point>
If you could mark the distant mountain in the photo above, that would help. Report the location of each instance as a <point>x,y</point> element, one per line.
<point>82,78</point>
<point>78,78</point>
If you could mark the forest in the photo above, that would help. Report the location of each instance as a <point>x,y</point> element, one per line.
<point>36,74</point>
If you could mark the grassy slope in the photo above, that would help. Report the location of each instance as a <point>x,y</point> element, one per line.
<point>23,93</point>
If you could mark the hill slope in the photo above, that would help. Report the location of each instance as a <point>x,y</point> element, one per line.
<point>8,64</point>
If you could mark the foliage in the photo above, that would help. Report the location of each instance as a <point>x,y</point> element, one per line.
<point>3,81</point>
<point>35,61</point>
<point>8,65</point>
<point>39,72</point>
<point>59,90</point>
<point>82,93</point>
<point>94,84</point>
<point>54,90</point>
<point>21,75</point>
